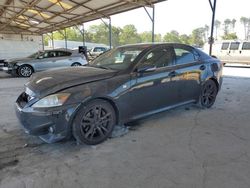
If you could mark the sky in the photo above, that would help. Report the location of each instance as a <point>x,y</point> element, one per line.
<point>183,15</point>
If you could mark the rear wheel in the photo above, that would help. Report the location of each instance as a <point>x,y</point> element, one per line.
<point>208,94</point>
<point>25,71</point>
<point>94,122</point>
<point>76,64</point>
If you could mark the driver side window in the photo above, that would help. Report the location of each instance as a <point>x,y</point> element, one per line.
<point>46,55</point>
<point>159,57</point>
<point>52,54</point>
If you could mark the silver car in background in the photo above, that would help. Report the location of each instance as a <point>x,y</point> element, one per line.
<point>44,60</point>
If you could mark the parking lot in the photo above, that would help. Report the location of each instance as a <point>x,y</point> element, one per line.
<point>182,148</point>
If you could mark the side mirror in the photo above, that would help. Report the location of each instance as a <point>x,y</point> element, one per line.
<point>146,68</point>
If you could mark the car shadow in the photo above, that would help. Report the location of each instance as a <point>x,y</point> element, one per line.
<point>237,66</point>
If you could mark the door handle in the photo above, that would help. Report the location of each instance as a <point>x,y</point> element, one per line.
<point>202,67</point>
<point>172,74</point>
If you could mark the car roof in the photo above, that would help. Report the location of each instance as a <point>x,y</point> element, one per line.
<point>58,50</point>
<point>153,44</point>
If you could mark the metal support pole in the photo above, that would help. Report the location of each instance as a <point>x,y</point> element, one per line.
<point>211,38</point>
<point>42,42</point>
<point>153,25</point>
<point>110,33</point>
<point>53,46</point>
<point>152,18</point>
<point>65,37</point>
<point>110,30</point>
<point>83,35</point>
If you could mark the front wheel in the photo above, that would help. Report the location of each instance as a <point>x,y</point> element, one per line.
<point>25,71</point>
<point>208,94</point>
<point>94,122</point>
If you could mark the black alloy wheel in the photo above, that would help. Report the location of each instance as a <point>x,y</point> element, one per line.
<point>208,94</point>
<point>25,71</point>
<point>94,122</point>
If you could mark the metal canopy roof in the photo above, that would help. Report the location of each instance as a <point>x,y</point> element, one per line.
<point>43,16</point>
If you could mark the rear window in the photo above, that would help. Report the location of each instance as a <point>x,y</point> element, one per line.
<point>246,46</point>
<point>225,45</point>
<point>183,56</point>
<point>99,49</point>
<point>234,45</point>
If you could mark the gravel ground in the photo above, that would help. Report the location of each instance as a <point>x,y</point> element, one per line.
<point>182,148</point>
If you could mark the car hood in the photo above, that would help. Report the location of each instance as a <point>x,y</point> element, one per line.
<point>17,60</point>
<point>48,82</point>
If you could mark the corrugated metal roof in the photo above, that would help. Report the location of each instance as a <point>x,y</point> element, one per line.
<point>43,16</point>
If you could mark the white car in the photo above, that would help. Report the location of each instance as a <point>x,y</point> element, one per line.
<point>44,60</point>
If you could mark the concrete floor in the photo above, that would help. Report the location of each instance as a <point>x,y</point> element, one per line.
<point>182,148</point>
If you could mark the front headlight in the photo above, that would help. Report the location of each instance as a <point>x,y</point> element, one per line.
<point>52,100</point>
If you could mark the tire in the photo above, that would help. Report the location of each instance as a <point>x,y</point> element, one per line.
<point>25,71</point>
<point>94,122</point>
<point>208,94</point>
<point>76,64</point>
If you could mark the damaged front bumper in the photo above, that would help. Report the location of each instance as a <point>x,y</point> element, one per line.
<point>50,124</point>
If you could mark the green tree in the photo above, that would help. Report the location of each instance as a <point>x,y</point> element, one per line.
<point>146,36</point>
<point>129,35</point>
<point>206,32</point>
<point>116,31</point>
<point>230,36</point>
<point>158,38</point>
<point>229,26</point>
<point>98,34</point>
<point>172,36</point>
<point>246,23</point>
<point>233,21</point>
<point>197,37</point>
<point>227,23</point>
<point>185,39</point>
<point>217,26</point>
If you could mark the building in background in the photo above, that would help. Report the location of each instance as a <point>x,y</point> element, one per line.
<point>72,44</point>
<point>15,46</point>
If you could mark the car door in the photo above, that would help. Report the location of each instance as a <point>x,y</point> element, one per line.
<point>44,61</point>
<point>152,89</point>
<point>189,71</point>
<point>63,59</point>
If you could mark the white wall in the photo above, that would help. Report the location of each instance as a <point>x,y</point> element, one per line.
<point>14,46</point>
<point>73,44</point>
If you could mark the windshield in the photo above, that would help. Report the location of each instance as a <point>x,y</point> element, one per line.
<point>35,55</point>
<point>118,59</point>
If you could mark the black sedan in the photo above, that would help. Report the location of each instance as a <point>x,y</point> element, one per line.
<point>121,85</point>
